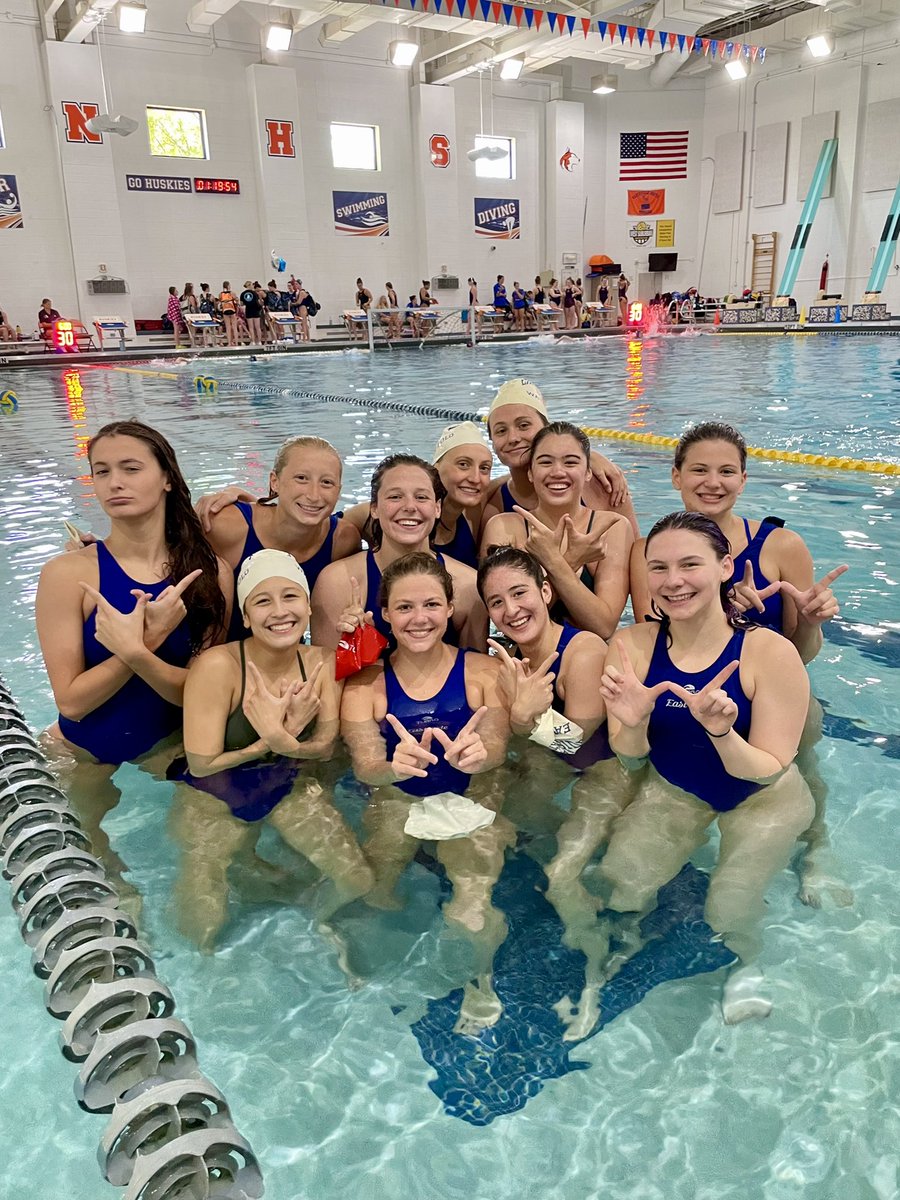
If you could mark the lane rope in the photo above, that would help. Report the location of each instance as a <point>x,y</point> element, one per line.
<point>659,441</point>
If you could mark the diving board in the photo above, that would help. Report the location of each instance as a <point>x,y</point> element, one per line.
<point>808,215</point>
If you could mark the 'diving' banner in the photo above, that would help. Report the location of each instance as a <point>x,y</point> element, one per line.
<point>361,214</point>
<point>496,218</point>
<point>10,206</point>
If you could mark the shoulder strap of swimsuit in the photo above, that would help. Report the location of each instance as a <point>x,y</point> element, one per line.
<point>240,702</point>
<point>299,660</point>
<point>591,520</point>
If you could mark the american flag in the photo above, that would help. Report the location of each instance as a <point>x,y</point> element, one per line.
<point>653,155</point>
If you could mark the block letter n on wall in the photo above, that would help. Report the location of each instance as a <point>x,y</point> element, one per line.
<point>280,139</point>
<point>77,117</point>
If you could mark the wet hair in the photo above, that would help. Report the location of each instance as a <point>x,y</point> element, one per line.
<point>691,522</point>
<point>562,429</point>
<point>710,431</point>
<point>186,545</point>
<point>305,441</point>
<point>372,531</point>
<point>417,563</point>
<point>515,559</point>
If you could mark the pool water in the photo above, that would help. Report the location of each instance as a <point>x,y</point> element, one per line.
<point>367,1088</point>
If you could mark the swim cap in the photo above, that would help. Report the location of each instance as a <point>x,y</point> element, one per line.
<point>268,564</point>
<point>466,433</point>
<point>519,391</point>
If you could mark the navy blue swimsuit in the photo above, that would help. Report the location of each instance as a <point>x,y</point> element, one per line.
<point>462,545</point>
<point>373,585</point>
<point>133,720</point>
<point>506,498</point>
<point>597,745</point>
<point>773,617</point>
<point>680,748</point>
<point>448,710</point>
<point>312,568</point>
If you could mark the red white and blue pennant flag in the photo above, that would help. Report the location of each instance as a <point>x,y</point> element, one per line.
<point>564,24</point>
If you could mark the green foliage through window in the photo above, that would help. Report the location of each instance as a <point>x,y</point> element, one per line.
<point>177,132</point>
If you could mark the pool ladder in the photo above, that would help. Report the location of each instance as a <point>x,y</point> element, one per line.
<point>170,1132</point>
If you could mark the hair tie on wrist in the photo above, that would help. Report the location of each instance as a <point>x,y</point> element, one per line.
<point>718,735</point>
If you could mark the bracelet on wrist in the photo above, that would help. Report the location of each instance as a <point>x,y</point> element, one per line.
<point>719,735</point>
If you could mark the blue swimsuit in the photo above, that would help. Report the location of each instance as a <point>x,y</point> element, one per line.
<point>680,748</point>
<point>597,745</point>
<point>462,545</point>
<point>373,584</point>
<point>312,568</point>
<point>773,617</point>
<point>133,720</point>
<point>448,710</point>
<point>506,498</point>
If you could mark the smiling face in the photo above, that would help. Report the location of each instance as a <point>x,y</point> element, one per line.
<point>684,573</point>
<point>418,612</point>
<point>309,484</point>
<point>516,604</point>
<point>465,472</point>
<point>406,506</point>
<point>128,480</point>
<point>277,612</point>
<point>559,470</point>
<point>710,478</point>
<point>512,429</point>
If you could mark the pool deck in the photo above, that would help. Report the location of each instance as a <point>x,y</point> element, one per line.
<point>29,355</point>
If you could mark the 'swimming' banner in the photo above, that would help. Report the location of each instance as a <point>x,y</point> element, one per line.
<point>361,214</point>
<point>496,218</point>
<point>10,205</point>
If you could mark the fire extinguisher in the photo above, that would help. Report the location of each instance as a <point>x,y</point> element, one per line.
<point>823,277</point>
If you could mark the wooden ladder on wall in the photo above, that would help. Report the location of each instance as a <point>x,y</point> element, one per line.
<point>762,270</point>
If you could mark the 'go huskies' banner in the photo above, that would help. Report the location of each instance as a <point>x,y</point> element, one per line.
<point>361,214</point>
<point>496,218</point>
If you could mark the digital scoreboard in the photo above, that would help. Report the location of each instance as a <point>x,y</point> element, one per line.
<point>218,187</point>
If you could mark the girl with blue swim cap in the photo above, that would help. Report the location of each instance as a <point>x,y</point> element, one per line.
<point>258,714</point>
<point>717,707</point>
<point>426,721</point>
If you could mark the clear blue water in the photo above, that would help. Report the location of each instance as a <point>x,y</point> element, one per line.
<point>331,1085</point>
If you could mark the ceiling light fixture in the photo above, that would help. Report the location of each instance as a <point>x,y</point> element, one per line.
<point>736,69</point>
<point>820,45</point>
<point>492,153</point>
<point>278,36</point>
<point>604,85</point>
<point>403,54</point>
<point>132,18</point>
<point>512,68</point>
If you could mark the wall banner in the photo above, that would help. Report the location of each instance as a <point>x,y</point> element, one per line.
<point>361,214</point>
<point>497,218</point>
<point>640,232</point>
<point>646,203</point>
<point>10,205</point>
<point>665,235</point>
<point>158,183</point>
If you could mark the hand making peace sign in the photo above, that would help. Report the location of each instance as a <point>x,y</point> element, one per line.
<point>303,702</point>
<point>466,751</point>
<point>412,757</point>
<point>354,615</point>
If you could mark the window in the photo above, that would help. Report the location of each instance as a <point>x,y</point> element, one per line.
<point>177,132</point>
<point>496,168</point>
<point>355,147</point>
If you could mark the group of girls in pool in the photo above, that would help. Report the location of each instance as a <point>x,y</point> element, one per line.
<point>186,628</point>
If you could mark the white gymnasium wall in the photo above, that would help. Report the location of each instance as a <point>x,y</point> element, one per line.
<point>849,220</point>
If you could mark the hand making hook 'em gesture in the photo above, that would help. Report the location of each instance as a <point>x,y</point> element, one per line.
<point>527,693</point>
<point>711,706</point>
<point>584,548</point>
<point>122,634</point>
<point>466,751</point>
<point>413,756</point>
<point>166,612</point>
<point>547,545</point>
<point>303,702</point>
<point>354,615</point>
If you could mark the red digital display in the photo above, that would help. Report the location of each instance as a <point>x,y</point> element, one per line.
<point>221,187</point>
<point>64,336</point>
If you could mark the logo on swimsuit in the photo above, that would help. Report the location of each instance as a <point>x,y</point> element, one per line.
<point>672,702</point>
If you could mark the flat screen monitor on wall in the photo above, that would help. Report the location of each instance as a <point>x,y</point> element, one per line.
<point>663,262</point>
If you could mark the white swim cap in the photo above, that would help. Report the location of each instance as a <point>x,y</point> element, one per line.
<point>466,433</point>
<point>519,391</point>
<point>268,564</point>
